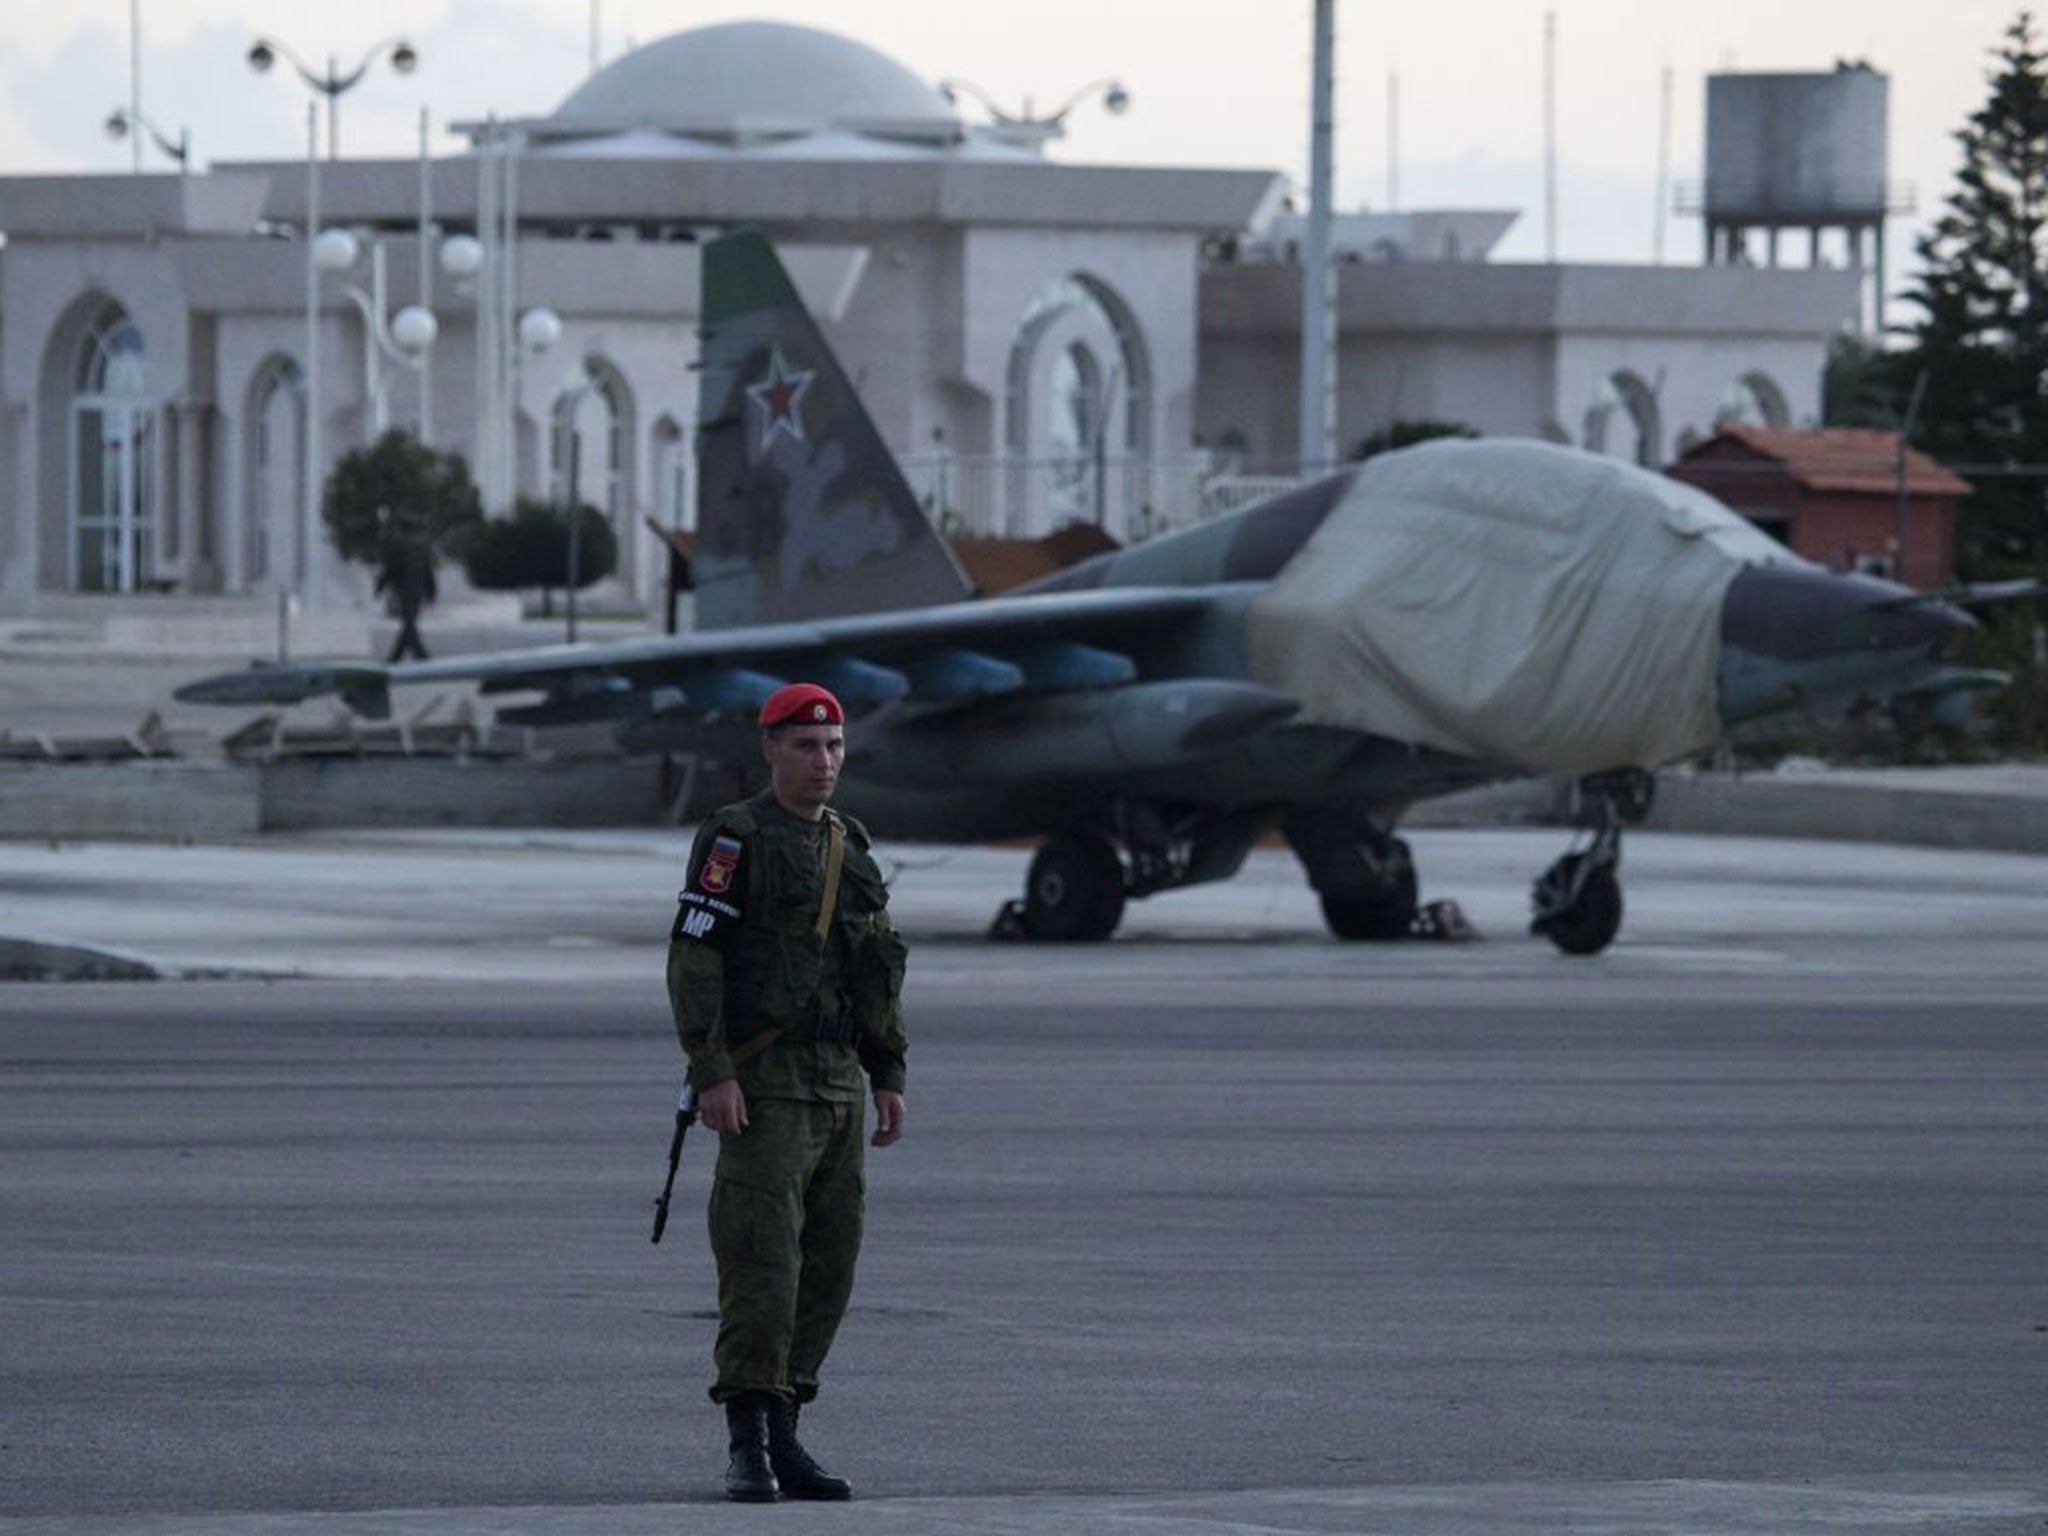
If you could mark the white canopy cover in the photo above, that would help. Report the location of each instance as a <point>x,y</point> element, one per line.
<point>1540,607</point>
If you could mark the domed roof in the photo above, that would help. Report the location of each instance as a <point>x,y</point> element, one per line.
<point>750,74</point>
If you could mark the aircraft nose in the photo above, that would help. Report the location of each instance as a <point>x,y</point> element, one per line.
<point>1801,613</point>
<point>1936,622</point>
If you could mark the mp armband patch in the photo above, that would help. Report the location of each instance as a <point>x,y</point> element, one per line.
<point>702,917</point>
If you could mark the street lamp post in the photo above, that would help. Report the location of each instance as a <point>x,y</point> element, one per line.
<point>334,84</point>
<point>123,121</point>
<point>504,340</point>
<point>569,403</point>
<point>406,337</point>
<point>505,334</point>
<point>1027,127</point>
<point>309,508</point>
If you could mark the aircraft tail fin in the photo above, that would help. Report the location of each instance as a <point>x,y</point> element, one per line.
<point>802,513</point>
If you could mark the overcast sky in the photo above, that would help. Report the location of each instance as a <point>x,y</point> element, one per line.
<point>1222,82</point>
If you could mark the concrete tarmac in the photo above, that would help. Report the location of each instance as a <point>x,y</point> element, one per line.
<point>568,906</point>
<point>1221,1227</point>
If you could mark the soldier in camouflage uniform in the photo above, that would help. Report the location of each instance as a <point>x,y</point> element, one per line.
<point>785,978</point>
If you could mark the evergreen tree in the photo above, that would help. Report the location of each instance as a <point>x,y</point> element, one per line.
<point>531,549</point>
<point>1981,344</point>
<point>397,488</point>
<point>1982,338</point>
<point>397,506</point>
<point>1860,386</point>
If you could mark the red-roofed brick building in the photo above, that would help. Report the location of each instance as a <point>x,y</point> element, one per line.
<point>1832,494</point>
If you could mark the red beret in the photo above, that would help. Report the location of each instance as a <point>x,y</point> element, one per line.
<point>801,704</point>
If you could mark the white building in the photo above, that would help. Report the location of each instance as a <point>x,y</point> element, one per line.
<point>1039,341</point>
<point>1636,361</point>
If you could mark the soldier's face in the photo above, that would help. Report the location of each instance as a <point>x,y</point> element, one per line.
<point>804,763</point>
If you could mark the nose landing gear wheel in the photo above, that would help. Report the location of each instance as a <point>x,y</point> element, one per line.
<point>1583,923</point>
<point>1578,899</point>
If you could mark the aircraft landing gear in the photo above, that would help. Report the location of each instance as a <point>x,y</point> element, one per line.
<point>1074,891</point>
<point>1385,908</point>
<point>1080,879</point>
<point>1364,875</point>
<point>1577,900</point>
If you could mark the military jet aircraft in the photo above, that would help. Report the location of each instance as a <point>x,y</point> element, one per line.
<point>1433,619</point>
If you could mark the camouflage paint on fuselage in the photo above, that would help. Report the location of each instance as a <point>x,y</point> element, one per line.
<point>1251,545</point>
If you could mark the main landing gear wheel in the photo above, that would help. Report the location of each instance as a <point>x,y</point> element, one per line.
<point>1377,913</point>
<point>1075,890</point>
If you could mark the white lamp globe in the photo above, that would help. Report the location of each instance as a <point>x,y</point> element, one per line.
<point>414,328</point>
<point>539,329</point>
<point>335,250</point>
<point>462,256</point>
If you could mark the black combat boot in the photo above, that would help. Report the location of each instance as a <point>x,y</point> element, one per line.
<point>801,1477</point>
<point>749,1479</point>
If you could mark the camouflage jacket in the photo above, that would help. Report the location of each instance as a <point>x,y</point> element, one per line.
<point>745,961</point>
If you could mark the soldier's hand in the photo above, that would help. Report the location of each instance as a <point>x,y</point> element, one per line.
<point>888,1117</point>
<point>723,1108</point>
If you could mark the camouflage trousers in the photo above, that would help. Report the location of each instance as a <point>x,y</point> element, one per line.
<point>786,1208</point>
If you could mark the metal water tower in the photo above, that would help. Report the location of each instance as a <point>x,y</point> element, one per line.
<point>1800,152</point>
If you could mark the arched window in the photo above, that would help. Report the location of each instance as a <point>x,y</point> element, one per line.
<point>1078,407</point>
<point>587,440</point>
<point>276,467</point>
<point>1625,391</point>
<point>113,541</point>
<point>1754,400</point>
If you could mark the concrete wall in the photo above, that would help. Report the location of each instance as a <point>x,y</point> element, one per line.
<point>223,802</point>
<point>1834,807</point>
<point>154,801</point>
<point>446,792</point>
<point>1831,809</point>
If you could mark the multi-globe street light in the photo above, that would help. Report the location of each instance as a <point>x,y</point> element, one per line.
<point>334,84</point>
<point>405,337</point>
<point>506,336</point>
<point>1031,128</point>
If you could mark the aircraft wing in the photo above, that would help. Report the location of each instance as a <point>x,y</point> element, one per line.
<point>948,654</point>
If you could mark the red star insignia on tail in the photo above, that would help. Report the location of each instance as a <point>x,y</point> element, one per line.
<point>780,397</point>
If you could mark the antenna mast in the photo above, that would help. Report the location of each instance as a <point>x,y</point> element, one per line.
<point>1550,136</point>
<point>1318,311</point>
